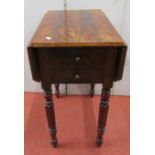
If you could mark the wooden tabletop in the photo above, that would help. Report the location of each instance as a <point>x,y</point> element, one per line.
<point>75,28</point>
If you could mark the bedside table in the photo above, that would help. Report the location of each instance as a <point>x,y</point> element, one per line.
<point>76,46</point>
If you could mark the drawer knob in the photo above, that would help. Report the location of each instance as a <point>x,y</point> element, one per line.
<point>77,76</point>
<point>77,59</point>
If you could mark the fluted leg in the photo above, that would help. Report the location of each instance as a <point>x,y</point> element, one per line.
<point>57,91</point>
<point>103,112</point>
<point>91,92</point>
<point>49,107</point>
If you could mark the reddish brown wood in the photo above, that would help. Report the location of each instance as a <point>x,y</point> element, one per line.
<point>103,112</point>
<point>76,28</point>
<point>34,63</point>
<point>49,106</point>
<point>119,66</point>
<point>59,66</point>
<point>76,47</point>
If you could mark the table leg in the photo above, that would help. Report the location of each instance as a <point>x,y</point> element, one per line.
<point>49,107</point>
<point>103,112</point>
<point>57,91</point>
<point>91,92</point>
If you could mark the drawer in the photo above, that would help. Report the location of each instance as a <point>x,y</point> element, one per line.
<point>81,58</point>
<point>72,76</point>
<point>76,65</point>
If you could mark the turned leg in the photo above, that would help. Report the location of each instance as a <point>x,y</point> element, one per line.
<point>91,92</point>
<point>49,107</point>
<point>57,91</point>
<point>103,112</point>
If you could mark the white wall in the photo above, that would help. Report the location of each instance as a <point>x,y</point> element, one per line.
<point>116,10</point>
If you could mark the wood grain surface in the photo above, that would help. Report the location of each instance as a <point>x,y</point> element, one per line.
<point>75,28</point>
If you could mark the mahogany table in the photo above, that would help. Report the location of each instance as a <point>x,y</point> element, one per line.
<point>76,46</point>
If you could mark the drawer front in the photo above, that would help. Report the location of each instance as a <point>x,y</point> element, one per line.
<point>72,76</point>
<point>82,58</point>
<point>74,65</point>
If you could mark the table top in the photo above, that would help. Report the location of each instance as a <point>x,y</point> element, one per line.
<point>75,28</point>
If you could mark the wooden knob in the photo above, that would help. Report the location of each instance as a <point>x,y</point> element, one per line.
<point>77,76</point>
<point>77,59</point>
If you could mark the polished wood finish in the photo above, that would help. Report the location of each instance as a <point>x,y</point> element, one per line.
<point>49,106</point>
<point>103,112</point>
<point>76,28</point>
<point>77,47</point>
<point>62,62</point>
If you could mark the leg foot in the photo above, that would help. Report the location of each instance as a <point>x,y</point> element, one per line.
<point>99,141</point>
<point>54,142</point>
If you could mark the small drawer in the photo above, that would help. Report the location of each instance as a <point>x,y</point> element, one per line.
<point>81,58</point>
<point>88,58</point>
<point>72,76</point>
